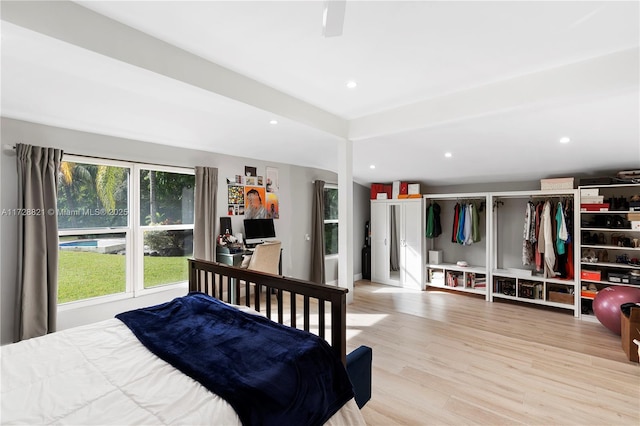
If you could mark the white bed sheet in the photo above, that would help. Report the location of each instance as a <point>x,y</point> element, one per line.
<point>101,374</point>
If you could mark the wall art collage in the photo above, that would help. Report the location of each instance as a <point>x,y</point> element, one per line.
<point>254,196</point>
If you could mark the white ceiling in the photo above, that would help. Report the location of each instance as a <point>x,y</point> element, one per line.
<point>494,83</point>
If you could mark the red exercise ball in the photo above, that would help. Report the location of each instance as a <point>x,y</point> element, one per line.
<point>606,305</point>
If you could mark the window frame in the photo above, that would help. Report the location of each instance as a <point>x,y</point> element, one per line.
<point>330,221</point>
<point>134,233</point>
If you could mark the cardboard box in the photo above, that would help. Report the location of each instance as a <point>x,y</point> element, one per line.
<point>435,257</point>
<point>413,188</point>
<point>376,188</point>
<point>558,297</point>
<point>635,225</point>
<point>592,199</point>
<point>589,192</point>
<point>395,189</point>
<point>588,294</point>
<point>615,277</point>
<point>600,207</point>
<point>557,183</point>
<point>633,217</point>
<point>404,188</point>
<point>591,275</point>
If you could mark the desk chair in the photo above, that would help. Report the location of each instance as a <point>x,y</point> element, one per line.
<point>266,257</point>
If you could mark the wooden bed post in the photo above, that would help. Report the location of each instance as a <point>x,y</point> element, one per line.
<point>339,333</point>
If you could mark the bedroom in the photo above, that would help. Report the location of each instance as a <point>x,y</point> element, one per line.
<point>618,121</point>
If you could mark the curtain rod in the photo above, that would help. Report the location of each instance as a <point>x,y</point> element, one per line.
<point>330,183</point>
<point>11,150</point>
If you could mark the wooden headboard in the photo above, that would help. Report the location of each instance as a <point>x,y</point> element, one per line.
<point>257,290</point>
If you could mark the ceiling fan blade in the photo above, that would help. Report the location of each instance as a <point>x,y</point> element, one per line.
<point>333,17</point>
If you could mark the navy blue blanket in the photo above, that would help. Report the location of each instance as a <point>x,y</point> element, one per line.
<point>269,373</point>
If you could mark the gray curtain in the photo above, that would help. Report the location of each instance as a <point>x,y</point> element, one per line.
<point>204,226</point>
<point>317,233</point>
<point>37,294</point>
<point>393,240</point>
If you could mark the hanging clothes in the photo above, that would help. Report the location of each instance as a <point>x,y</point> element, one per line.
<point>461,218</point>
<point>538,254</point>
<point>545,241</point>
<point>434,228</point>
<point>468,223</point>
<point>568,213</point>
<point>562,234</point>
<point>475,225</point>
<point>456,218</point>
<point>528,234</point>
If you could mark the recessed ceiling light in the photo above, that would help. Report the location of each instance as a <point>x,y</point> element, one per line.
<point>373,166</point>
<point>448,154</point>
<point>351,84</point>
<point>273,122</point>
<point>565,140</point>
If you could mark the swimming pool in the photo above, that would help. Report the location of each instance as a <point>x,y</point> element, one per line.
<point>80,243</point>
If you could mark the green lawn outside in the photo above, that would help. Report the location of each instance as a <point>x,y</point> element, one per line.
<point>84,274</point>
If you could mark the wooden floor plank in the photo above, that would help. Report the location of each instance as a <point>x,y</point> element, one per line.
<point>445,358</point>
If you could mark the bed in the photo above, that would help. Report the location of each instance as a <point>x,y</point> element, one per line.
<point>110,373</point>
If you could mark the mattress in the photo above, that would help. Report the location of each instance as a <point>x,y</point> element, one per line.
<point>101,374</point>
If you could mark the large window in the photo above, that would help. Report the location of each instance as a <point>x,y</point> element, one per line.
<point>123,227</point>
<point>330,220</point>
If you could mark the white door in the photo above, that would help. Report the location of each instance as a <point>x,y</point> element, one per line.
<point>412,261</point>
<point>379,242</point>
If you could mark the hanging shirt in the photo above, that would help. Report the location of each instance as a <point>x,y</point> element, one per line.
<point>461,217</point>
<point>468,221</point>
<point>545,244</point>
<point>475,226</point>
<point>562,235</point>
<point>454,231</point>
<point>527,234</point>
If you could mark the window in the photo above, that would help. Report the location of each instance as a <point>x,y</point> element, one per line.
<point>330,220</point>
<point>123,227</point>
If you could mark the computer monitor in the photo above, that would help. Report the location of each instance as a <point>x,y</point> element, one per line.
<point>257,231</point>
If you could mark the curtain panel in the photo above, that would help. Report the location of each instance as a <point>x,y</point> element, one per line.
<point>37,292</point>
<point>204,226</point>
<point>317,234</point>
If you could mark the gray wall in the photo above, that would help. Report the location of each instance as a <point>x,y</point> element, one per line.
<point>291,228</point>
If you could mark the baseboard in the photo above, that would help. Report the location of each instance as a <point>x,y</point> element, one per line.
<point>356,277</point>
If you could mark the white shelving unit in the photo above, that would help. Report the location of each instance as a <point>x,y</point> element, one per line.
<point>468,278</point>
<point>608,232</point>
<point>509,279</point>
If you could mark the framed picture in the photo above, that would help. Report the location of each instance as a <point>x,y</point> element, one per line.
<point>236,194</point>
<point>254,202</point>
<point>251,180</point>
<point>272,184</point>
<point>250,171</point>
<point>272,206</point>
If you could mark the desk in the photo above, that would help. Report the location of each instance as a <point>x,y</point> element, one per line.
<point>233,259</point>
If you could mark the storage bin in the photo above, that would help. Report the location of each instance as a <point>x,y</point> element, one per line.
<point>557,183</point>
<point>616,277</point>
<point>589,192</point>
<point>591,275</point>
<point>558,297</point>
<point>435,257</point>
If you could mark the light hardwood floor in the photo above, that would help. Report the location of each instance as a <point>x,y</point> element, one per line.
<point>452,359</point>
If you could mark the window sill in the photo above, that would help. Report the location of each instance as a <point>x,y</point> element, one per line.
<point>101,300</point>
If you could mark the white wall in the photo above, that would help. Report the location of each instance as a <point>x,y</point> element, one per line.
<point>294,197</point>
